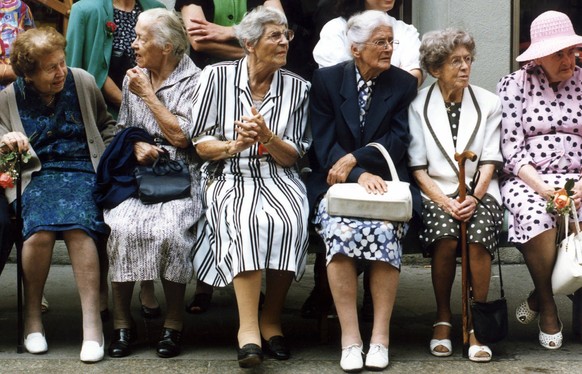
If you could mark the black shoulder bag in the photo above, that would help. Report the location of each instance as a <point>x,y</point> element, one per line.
<point>163,181</point>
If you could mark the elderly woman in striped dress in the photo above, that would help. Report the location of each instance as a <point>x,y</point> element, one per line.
<point>250,118</point>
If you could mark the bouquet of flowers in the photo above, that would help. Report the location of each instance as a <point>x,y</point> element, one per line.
<point>560,202</point>
<point>8,173</point>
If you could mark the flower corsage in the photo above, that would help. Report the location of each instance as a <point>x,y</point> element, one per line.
<point>110,27</point>
<point>560,202</point>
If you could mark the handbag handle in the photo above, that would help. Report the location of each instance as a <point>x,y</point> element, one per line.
<point>164,165</point>
<point>389,161</point>
<point>576,223</point>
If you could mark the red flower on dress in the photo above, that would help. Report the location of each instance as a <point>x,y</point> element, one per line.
<point>110,27</point>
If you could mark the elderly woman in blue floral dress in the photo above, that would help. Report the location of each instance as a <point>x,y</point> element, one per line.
<point>60,116</point>
<point>343,124</point>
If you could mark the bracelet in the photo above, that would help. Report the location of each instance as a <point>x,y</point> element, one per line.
<point>269,140</point>
<point>227,147</point>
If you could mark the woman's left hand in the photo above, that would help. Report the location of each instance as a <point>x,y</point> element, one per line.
<point>139,83</point>
<point>146,153</point>
<point>373,183</point>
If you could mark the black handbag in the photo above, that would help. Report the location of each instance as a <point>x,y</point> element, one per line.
<point>163,181</point>
<point>490,320</point>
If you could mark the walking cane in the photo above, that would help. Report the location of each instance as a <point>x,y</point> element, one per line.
<point>18,241</point>
<point>461,158</point>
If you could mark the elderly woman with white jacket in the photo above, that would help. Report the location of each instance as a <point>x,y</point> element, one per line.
<point>449,117</point>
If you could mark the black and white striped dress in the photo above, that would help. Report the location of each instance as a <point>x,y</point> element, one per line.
<point>256,210</point>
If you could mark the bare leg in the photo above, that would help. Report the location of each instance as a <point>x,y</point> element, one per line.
<point>85,262</point>
<point>247,288</point>
<point>384,280</point>
<point>540,256</point>
<point>37,253</point>
<point>443,269</point>
<point>174,293</point>
<point>480,266</point>
<point>277,285</point>
<point>122,292</point>
<point>147,294</point>
<point>343,282</point>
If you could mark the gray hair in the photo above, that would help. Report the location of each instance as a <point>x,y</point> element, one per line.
<point>361,26</point>
<point>252,26</point>
<point>167,27</point>
<point>437,46</point>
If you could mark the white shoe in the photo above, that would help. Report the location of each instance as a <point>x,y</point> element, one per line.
<point>91,351</point>
<point>352,361</point>
<point>377,357</point>
<point>36,343</point>
<point>441,342</point>
<point>551,341</point>
<point>475,349</point>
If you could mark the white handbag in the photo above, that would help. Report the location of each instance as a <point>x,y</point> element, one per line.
<point>567,273</point>
<point>352,200</point>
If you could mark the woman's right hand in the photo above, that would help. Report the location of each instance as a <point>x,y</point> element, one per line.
<point>373,183</point>
<point>15,141</point>
<point>146,153</point>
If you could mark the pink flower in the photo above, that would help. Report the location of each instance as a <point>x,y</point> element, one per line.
<point>6,180</point>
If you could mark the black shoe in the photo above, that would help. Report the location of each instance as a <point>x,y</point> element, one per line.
<point>249,356</point>
<point>309,309</point>
<point>170,343</point>
<point>150,313</point>
<point>120,342</point>
<point>276,347</point>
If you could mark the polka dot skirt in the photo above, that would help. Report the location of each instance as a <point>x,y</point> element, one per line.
<point>483,228</point>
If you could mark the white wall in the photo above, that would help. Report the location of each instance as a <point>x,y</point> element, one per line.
<point>489,21</point>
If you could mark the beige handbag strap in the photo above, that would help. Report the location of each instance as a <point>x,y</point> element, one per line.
<point>389,161</point>
<point>576,223</point>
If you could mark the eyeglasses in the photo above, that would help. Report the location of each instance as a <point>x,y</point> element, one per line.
<point>383,43</point>
<point>457,62</point>
<point>277,36</point>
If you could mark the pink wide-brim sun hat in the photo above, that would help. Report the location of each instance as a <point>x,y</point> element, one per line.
<point>550,32</point>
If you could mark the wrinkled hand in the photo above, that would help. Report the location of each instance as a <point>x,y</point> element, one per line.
<point>205,31</point>
<point>341,169</point>
<point>251,130</point>
<point>373,183</point>
<point>146,153</point>
<point>577,196</point>
<point>461,211</point>
<point>139,83</point>
<point>15,141</point>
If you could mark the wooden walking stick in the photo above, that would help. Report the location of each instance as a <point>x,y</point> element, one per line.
<point>461,158</point>
<point>18,241</point>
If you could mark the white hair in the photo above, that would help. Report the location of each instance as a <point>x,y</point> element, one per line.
<point>361,25</point>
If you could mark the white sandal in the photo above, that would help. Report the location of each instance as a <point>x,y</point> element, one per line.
<point>524,313</point>
<point>546,340</point>
<point>475,349</point>
<point>441,342</point>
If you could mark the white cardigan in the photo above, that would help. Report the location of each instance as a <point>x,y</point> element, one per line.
<point>432,146</point>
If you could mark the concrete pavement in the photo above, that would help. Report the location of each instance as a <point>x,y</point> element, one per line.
<point>210,338</point>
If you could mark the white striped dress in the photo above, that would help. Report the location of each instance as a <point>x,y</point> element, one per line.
<point>257,210</point>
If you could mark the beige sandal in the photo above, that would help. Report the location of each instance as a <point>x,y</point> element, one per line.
<point>446,343</point>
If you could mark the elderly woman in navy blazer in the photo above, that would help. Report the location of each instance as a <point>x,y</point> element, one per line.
<point>450,117</point>
<point>354,103</point>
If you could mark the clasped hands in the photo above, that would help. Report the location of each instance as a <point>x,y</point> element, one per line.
<point>250,130</point>
<point>461,211</point>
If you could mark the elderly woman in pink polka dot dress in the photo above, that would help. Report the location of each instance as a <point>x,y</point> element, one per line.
<point>542,148</point>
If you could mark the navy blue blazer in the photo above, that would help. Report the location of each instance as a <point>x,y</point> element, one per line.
<point>335,123</point>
